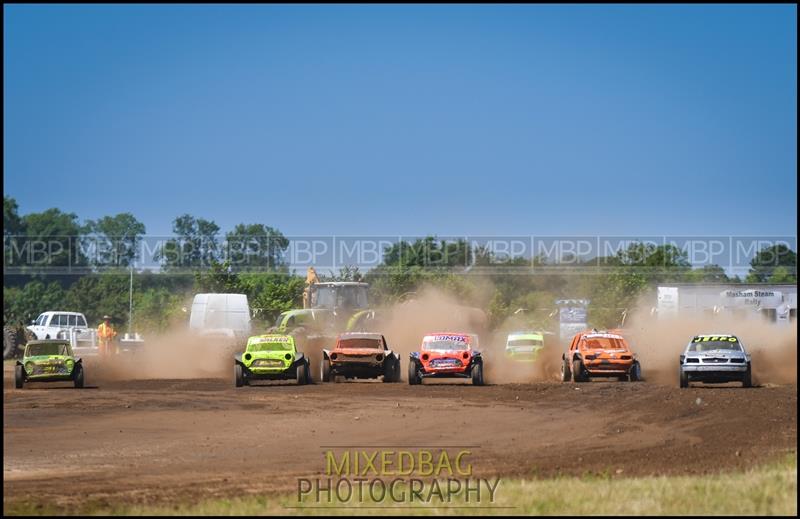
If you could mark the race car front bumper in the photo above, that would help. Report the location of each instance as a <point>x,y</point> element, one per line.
<point>714,372</point>
<point>711,368</point>
<point>522,355</point>
<point>49,377</point>
<point>357,369</point>
<point>464,371</point>
<point>262,373</point>
<point>602,368</point>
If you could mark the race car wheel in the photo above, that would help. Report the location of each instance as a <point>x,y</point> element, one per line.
<point>635,374</point>
<point>19,376</point>
<point>578,373</point>
<point>397,370</point>
<point>747,379</point>
<point>10,342</point>
<point>413,375</point>
<point>477,374</point>
<point>391,372</point>
<point>684,379</point>
<point>309,380</point>
<point>325,370</point>
<point>566,375</point>
<point>301,374</point>
<point>238,375</point>
<point>77,376</point>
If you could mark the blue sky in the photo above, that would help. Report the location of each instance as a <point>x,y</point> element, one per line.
<point>361,120</point>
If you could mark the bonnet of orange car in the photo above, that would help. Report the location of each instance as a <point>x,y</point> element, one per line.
<point>605,344</point>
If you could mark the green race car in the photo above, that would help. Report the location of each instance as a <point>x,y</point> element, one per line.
<point>48,361</point>
<point>271,357</point>
<point>524,346</point>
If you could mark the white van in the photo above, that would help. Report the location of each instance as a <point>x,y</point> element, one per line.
<point>221,313</point>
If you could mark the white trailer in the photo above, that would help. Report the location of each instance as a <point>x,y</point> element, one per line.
<point>221,314</point>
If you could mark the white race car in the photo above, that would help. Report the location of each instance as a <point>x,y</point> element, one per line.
<point>715,358</point>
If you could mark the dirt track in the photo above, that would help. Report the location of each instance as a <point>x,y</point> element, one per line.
<point>178,440</point>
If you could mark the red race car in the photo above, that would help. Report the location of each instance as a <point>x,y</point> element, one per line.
<point>447,355</point>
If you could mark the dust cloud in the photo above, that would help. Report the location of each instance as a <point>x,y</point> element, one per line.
<point>433,310</point>
<point>659,341</point>
<point>177,354</point>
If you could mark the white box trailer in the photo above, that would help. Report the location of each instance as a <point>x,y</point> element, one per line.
<point>224,313</point>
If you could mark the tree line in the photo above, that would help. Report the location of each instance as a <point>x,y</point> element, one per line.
<point>160,299</point>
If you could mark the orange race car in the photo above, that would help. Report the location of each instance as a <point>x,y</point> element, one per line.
<point>447,355</point>
<point>595,353</point>
<point>360,355</point>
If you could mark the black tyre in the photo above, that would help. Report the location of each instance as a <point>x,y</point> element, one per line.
<point>635,374</point>
<point>77,376</point>
<point>413,374</point>
<point>566,373</point>
<point>391,371</point>
<point>747,379</point>
<point>238,375</point>
<point>19,376</point>
<point>477,374</point>
<point>309,380</point>
<point>325,370</point>
<point>684,379</point>
<point>578,373</point>
<point>302,376</point>
<point>10,343</point>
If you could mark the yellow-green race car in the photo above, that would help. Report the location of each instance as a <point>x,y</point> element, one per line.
<point>524,346</point>
<point>271,357</point>
<point>48,361</point>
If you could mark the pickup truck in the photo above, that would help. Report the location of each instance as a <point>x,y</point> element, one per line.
<point>71,326</point>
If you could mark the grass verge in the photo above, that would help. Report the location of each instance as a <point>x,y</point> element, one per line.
<point>766,490</point>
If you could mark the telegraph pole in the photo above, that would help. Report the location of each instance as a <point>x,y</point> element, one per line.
<point>130,302</point>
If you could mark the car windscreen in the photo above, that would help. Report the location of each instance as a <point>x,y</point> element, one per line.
<point>445,344</point>
<point>47,349</point>
<point>701,346</point>
<point>362,342</point>
<point>604,343</point>
<point>513,343</point>
<point>269,346</point>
